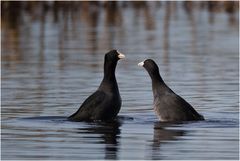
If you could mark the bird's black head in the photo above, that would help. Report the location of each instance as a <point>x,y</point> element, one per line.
<point>113,56</point>
<point>110,63</point>
<point>149,65</point>
<point>152,68</point>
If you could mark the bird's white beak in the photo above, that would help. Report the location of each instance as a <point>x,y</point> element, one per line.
<point>141,64</point>
<point>120,55</point>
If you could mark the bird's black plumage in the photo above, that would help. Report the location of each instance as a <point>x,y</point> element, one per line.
<point>168,105</point>
<point>105,103</point>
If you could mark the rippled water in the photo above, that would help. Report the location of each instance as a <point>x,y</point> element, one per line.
<point>49,66</point>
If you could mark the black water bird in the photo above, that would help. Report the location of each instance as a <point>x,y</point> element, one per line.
<point>168,105</point>
<point>105,103</point>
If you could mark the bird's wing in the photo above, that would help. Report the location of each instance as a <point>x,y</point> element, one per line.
<point>177,106</point>
<point>94,100</point>
<point>88,106</point>
<point>186,107</point>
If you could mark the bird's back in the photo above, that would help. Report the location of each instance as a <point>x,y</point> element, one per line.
<point>98,106</point>
<point>171,107</point>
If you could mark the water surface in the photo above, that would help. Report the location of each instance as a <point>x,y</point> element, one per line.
<point>52,60</point>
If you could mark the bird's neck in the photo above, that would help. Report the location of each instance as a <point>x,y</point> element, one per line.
<point>109,71</point>
<point>156,78</point>
<point>109,81</point>
<point>157,83</point>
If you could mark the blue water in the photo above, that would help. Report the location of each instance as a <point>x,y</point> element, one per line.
<point>50,66</point>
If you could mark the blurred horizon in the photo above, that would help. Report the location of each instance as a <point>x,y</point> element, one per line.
<point>17,16</point>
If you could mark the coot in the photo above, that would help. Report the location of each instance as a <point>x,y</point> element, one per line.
<point>168,105</point>
<point>105,103</point>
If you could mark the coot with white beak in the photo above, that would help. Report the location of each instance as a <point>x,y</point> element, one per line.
<point>105,103</point>
<point>168,105</point>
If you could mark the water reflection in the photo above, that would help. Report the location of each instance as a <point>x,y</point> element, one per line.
<point>211,9</point>
<point>113,14</point>
<point>166,29</point>
<point>230,8</point>
<point>69,17</point>
<point>109,135</point>
<point>188,6</point>
<point>162,135</point>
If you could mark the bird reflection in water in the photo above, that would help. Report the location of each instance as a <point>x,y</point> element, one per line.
<point>109,134</point>
<point>162,134</point>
